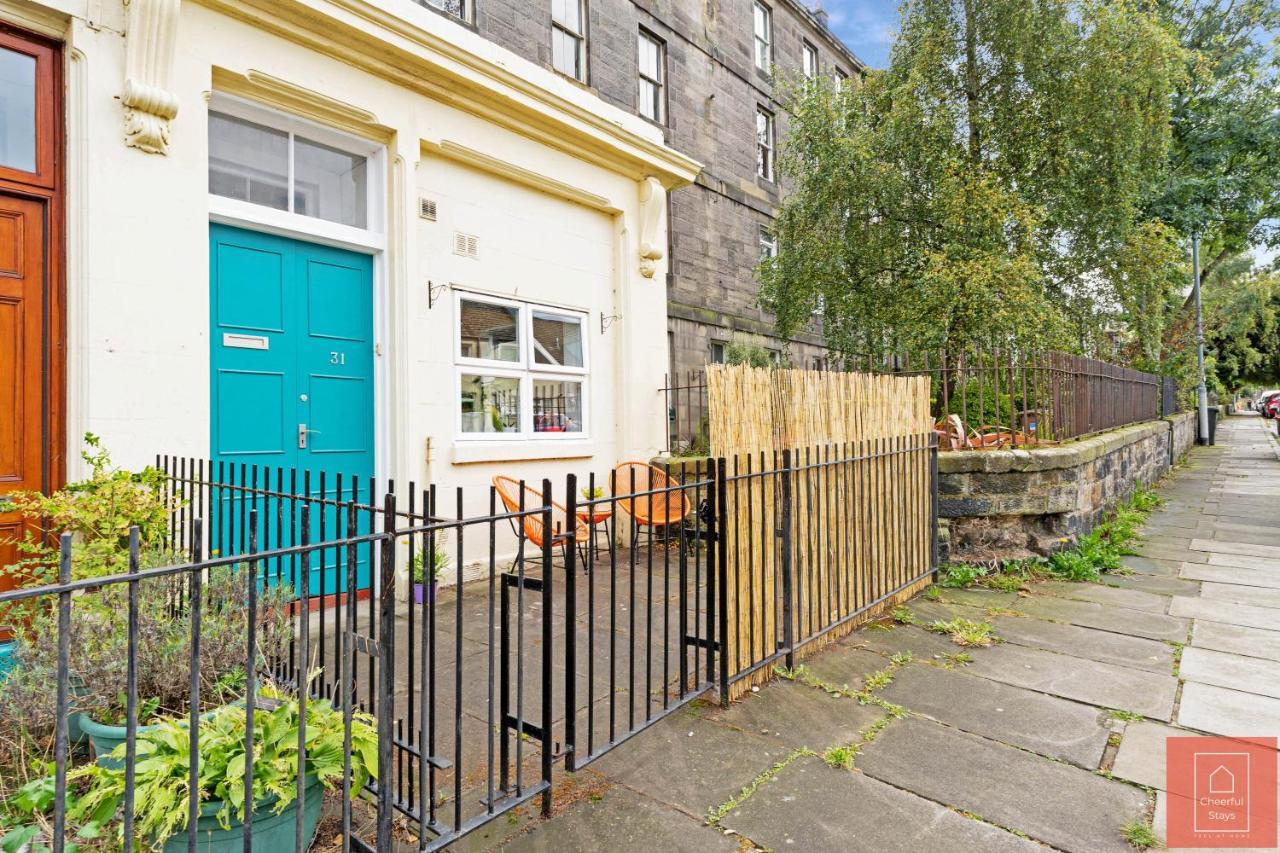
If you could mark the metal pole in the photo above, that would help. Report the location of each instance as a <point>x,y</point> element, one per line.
<point>1202,392</point>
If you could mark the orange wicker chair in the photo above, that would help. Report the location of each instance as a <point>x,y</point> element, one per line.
<point>633,483</point>
<point>530,526</point>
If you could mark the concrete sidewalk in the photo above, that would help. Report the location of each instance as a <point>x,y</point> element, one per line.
<point>1052,737</point>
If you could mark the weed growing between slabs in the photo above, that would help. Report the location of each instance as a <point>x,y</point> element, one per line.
<point>963,632</point>
<point>1099,552</point>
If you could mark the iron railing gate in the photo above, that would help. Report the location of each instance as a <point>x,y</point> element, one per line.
<point>654,603</point>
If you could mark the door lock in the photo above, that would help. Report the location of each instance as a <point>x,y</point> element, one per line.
<point>302,435</point>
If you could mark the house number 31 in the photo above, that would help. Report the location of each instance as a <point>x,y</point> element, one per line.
<point>337,358</point>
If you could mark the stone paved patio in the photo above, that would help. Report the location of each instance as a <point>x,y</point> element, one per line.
<point>1018,748</point>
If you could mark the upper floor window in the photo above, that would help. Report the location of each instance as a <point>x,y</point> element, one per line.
<point>764,143</point>
<point>569,38</point>
<point>768,244</point>
<point>840,77</point>
<point>809,60</point>
<point>287,171</point>
<point>460,9</point>
<point>763,36</point>
<point>652,97</point>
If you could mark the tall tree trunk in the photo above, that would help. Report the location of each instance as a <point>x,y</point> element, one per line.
<point>971,80</point>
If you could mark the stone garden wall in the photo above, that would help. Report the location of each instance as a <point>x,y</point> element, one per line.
<point>1013,503</point>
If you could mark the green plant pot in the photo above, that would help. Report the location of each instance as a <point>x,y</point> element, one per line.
<point>8,658</point>
<point>271,832</point>
<point>105,737</point>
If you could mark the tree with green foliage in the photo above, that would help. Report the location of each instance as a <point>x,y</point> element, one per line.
<point>987,187</point>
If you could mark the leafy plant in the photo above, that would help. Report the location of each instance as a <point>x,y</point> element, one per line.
<point>960,575</point>
<point>1139,835</point>
<point>438,563</point>
<point>591,494</point>
<point>98,511</point>
<point>162,767</point>
<point>965,632</point>
<point>99,644</point>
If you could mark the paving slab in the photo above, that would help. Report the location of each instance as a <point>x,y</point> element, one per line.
<point>1255,595</point>
<point>1231,574</point>
<point>1160,821</point>
<point>1141,757</point>
<point>1246,549</point>
<point>1244,561</point>
<point>978,597</point>
<point>811,806</point>
<point>1171,552</point>
<point>1254,642</point>
<point>1249,674</point>
<point>904,638</point>
<point>1043,724</point>
<point>1137,623</point>
<point>691,763</point>
<point>1230,612</point>
<point>1005,785</point>
<point>841,664</point>
<point>620,820</point>
<point>1135,599</point>
<point>1220,711</point>
<point>1102,684</point>
<point>1150,565</point>
<point>1159,584</point>
<point>797,715</point>
<point>1088,643</point>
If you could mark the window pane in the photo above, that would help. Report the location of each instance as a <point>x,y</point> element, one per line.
<point>567,12</point>
<point>17,110</point>
<point>649,58</point>
<point>557,340</point>
<point>564,52</point>
<point>248,162</point>
<point>490,404</point>
<point>649,100</point>
<point>490,331</point>
<point>329,184</point>
<point>557,406</point>
<point>457,8</point>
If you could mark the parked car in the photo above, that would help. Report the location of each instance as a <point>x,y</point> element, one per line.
<point>1271,406</point>
<point>1259,400</point>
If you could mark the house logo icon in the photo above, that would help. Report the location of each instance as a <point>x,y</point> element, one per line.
<point>1222,781</point>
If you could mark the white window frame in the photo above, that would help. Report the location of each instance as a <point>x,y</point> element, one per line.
<point>465,13</point>
<point>762,41</point>
<point>768,243</point>
<point>660,84</point>
<point>285,222</point>
<point>579,40</point>
<point>840,77</point>
<point>764,145</point>
<point>808,60</point>
<point>526,370</point>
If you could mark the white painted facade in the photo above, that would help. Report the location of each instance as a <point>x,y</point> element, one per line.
<point>563,194</point>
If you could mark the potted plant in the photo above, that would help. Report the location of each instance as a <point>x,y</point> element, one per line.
<point>99,654</point>
<point>160,804</point>
<point>426,578</point>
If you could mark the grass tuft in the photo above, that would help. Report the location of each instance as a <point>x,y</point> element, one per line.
<point>1139,835</point>
<point>965,632</point>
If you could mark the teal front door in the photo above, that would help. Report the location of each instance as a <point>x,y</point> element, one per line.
<point>292,384</point>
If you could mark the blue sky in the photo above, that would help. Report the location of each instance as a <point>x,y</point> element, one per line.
<point>866,26</point>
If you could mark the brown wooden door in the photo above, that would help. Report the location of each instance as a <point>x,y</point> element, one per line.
<point>23,408</point>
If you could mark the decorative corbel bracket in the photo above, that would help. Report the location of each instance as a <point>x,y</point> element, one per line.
<point>150,38</point>
<point>653,225</point>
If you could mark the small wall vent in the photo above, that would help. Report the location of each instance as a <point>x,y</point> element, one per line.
<point>466,245</point>
<point>427,209</point>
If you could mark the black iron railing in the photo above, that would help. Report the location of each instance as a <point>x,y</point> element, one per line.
<point>1000,398</point>
<point>553,620</point>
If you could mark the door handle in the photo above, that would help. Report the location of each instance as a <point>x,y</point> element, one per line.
<point>302,435</point>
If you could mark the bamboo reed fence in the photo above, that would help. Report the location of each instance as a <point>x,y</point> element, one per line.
<point>829,505</point>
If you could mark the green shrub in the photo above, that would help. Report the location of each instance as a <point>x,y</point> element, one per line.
<point>959,575</point>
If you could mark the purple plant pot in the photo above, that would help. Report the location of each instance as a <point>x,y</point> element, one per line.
<point>424,593</point>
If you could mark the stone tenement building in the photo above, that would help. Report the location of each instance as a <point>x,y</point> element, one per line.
<point>698,69</point>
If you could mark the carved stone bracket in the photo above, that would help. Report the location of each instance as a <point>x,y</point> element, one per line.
<point>653,225</point>
<point>151,34</point>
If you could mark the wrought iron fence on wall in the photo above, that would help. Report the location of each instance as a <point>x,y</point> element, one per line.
<point>1000,397</point>
<point>628,595</point>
